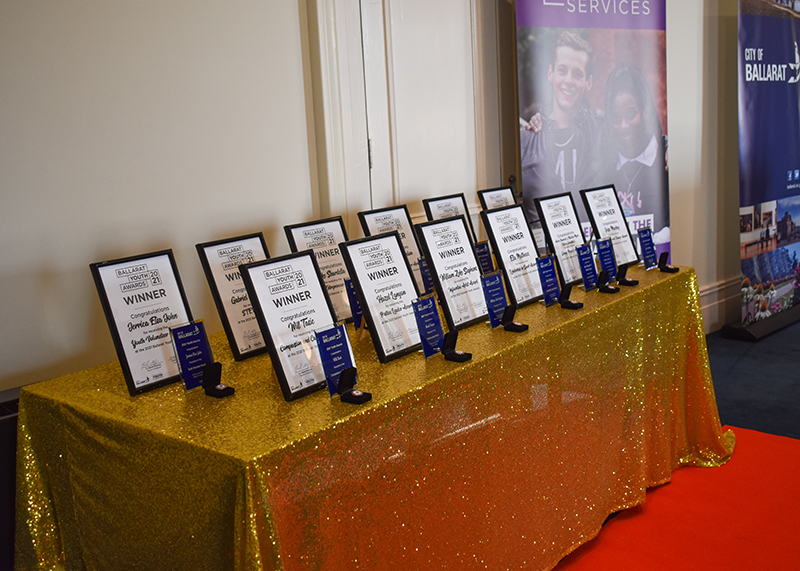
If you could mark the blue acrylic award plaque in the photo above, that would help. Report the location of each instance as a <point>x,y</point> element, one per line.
<point>588,267</point>
<point>484,257</point>
<point>336,354</point>
<point>429,325</point>
<point>193,352</point>
<point>425,272</point>
<point>549,279</point>
<point>495,295</point>
<point>605,252</point>
<point>355,307</point>
<point>648,248</point>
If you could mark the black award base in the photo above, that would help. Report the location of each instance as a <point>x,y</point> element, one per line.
<point>625,281</point>
<point>449,348</point>
<point>508,322</point>
<point>603,285</point>
<point>664,267</point>
<point>566,302</point>
<point>212,373</point>
<point>347,380</point>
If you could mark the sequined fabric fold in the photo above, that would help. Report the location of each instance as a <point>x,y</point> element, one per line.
<point>509,461</point>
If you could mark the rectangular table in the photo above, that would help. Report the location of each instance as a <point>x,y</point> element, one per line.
<point>509,461</point>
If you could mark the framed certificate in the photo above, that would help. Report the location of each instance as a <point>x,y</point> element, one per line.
<point>396,219</point>
<point>324,237</point>
<point>221,260</point>
<point>455,270</point>
<point>563,233</point>
<point>608,221</point>
<point>291,303</point>
<point>447,207</point>
<point>496,197</point>
<point>142,297</point>
<point>385,288</point>
<point>515,251</point>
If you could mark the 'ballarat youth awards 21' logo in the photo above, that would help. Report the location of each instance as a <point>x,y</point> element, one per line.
<point>756,70</point>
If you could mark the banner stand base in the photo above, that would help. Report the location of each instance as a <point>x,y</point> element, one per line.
<point>760,329</point>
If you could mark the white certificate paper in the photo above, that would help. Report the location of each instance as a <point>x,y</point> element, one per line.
<point>562,224</point>
<point>324,238</point>
<point>456,268</point>
<point>293,305</point>
<point>516,251</point>
<point>388,290</point>
<point>604,207</point>
<point>223,263</point>
<point>391,220</point>
<point>496,198</point>
<point>146,301</point>
<point>447,207</point>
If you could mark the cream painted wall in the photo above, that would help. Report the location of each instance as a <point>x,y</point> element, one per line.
<point>128,127</point>
<point>703,149</point>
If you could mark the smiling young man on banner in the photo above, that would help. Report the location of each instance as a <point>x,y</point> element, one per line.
<point>562,155</point>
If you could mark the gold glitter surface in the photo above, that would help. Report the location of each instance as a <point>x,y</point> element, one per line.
<point>509,461</point>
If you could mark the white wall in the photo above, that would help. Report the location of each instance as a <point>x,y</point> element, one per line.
<point>703,150</point>
<point>127,127</point>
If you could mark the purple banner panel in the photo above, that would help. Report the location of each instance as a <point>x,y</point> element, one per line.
<point>611,14</point>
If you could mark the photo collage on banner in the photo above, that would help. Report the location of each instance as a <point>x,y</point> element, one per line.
<point>769,157</point>
<point>593,107</point>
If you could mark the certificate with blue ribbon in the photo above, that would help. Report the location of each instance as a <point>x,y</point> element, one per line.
<point>515,252</point>
<point>324,237</point>
<point>608,221</point>
<point>291,304</point>
<point>395,219</point>
<point>386,289</point>
<point>455,270</point>
<point>564,233</point>
<point>221,260</point>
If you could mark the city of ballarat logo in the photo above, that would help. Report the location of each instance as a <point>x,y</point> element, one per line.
<point>756,70</point>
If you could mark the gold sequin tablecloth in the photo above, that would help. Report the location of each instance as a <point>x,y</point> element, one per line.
<point>509,461</point>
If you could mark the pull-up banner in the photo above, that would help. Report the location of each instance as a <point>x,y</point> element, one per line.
<point>769,157</point>
<point>593,106</point>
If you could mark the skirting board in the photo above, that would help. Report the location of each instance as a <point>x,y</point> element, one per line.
<point>721,303</point>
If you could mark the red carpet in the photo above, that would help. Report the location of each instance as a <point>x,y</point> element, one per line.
<point>744,515</point>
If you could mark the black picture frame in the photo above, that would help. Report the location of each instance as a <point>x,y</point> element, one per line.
<point>492,198</point>
<point>288,324</point>
<point>244,343</point>
<point>389,219</point>
<point>623,243</point>
<point>451,238</point>
<point>145,278</point>
<point>515,227</point>
<point>432,206</point>
<point>569,273</point>
<point>380,253</point>
<point>328,233</point>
